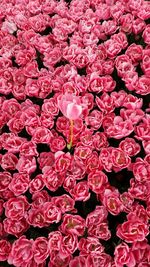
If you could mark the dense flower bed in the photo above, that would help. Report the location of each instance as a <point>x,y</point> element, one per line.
<point>75,133</point>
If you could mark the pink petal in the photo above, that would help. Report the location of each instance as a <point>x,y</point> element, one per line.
<point>73,111</point>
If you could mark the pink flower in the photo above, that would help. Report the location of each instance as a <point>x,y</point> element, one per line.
<point>97,216</point>
<point>42,135</point>
<point>69,245</point>
<point>36,218</point>
<point>145,65</point>
<point>70,106</point>
<point>9,26</point>
<point>140,251</point>
<point>130,147</point>
<point>5,179</point>
<point>120,159</point>
<point>46,159</point>
<point>28,149</point>
<point>19,183</point>
<point>146,146</point>
<point>73,224</point>
<point>131,231</point>
<point>17,123</point>
<point>143,87</point>
<point>126,23</point>
<point>15,227</point>
<point>64,202</point>
<point>113,48</point>
<point>141,170</point>
<point>100,230</point>
<point>40,249</point>
<point>105,103</point>
<point>99,260</point>
<point>120,128</point>
<point>112,202</point>
<point>62,162</point>
<point>25,164</point>
<point>50,106</point>
<point>52,179</point>
<point>57,144</point>
<point>21,252</point>
<point>138,212</point>
<point>94,120</point>
<point>90,245</point>
<point>97,180</point>
<point>138,24</point>
<point>16,207</point>
<point>55,241</point>
<point>80,192</point>
<point>77,261</point>
<point>39,198</point>
<point>135,53</point>
<point>124,256</point>
<point>51,213</point>
<point>9,161</point>
<point>36,184</point>
<point>146,34</point>
<point>5,248</point>
<point>11,106</point>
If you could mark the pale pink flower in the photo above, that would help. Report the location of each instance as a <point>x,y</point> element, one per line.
<point>70,106</point>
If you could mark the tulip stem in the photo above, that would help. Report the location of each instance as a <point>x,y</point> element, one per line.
<point>71,135</point>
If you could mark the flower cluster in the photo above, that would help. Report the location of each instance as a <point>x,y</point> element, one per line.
<point>75,133</point>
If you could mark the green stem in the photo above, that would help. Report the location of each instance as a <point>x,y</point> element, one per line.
<point>71,135</point>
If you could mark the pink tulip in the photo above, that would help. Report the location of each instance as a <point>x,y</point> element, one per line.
<point>70,106</point>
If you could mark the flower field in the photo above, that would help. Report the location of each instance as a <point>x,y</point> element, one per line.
<point>74,133</point>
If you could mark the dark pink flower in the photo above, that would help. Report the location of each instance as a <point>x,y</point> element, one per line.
<point>5,248</point>
<point>64,203</point>
<point>9,161</point>
<point>19,183</point>
<point>27,165</point>
<point>73,224</point>
<point>100,231</point>
<point>51,213</point>
<point>146,34</point>
<point>112,201</point>
<point>36,184</point>
<point>97,216</point>
<point>52,179</point>
<point>97,180</point>
<point>99,260</point>
<point>81,191</point>
<point>77,261</point>
<point>130,147</point>
<point>120,159</point>
<point>40,249</point>
<point>15,208</point>
<point>15,227</point>
<point>124,256</point>
<point>90,245</point>
<point>131,231</point>
<point>36,218</point>
<point>21,252</point>
<point>5,179</point>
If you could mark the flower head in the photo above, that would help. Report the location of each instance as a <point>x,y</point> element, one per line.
<point>70,106</point>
